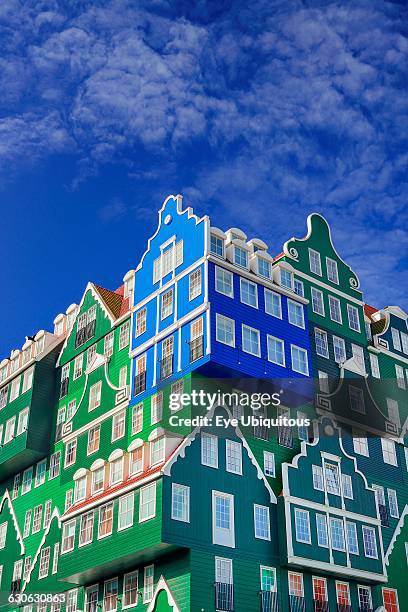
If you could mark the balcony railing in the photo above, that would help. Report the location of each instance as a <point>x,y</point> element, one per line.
<point>366,608</point>
<point>85,333</point>
<point>166,367</point>
<point>269,601</point>
<point>196,348</point>
<point>344,607</point>
<point>64,387</point>
<point>285,437</point>
<point>140,382</point>
<point>224,596</point>
<point>320,606</point>
<point>385,522</point>
<point>297,603</point>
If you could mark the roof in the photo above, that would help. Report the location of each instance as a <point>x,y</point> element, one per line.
<point>369,310</point>
<point>114,300</point>
<point>279,256</point>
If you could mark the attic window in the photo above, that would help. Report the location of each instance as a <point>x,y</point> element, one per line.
<point>217,246</point>
<point>169,260</point>
<point>240,257</point>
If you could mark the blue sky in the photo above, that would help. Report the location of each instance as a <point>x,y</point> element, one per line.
<point>258,113</point>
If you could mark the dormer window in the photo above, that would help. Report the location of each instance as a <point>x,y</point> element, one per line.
<point>80,489</point>
<point>98,476</point>
<point>3,373</point>
<point>39,345</point>
<point>240,257</point>
<point>286,278</point>
<point>15,362</point>
<point>116,471</point>
<point>264,267</point>
<point>157,449</point>
<point>217,246</point>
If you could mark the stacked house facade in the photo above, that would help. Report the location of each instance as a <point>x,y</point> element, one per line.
<point>119,491</point>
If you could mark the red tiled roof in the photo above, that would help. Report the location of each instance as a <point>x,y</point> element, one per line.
<point>278,256</point>
<point>114,489</point>
<point>369,310</point>
<point>113,300</point>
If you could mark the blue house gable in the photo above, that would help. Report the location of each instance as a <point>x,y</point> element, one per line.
<point>330,511</point>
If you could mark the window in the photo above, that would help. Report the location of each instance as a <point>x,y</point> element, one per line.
<point>364,598</point>
<point>116,471</point>
<point>317,301</point>
<point>123,377</point>
<point>332,272</point>
<point>147,509</point>
<point>70,452</point>
<point>343,595</point>
<point>302,526</point>
<point>68,536</point>
<point>27,480</point>
<point>223,519</point>
<point>78,366</point>
<point>3,535</point>
<point>37,519</point>
<point>318,481</point>
<point>347,486</point>
<point>91,598</point>
<point>268,579</point>
<point>209,450</point>
<point>276,350</point>
<point>177,389</point>
<point>44,562</point>
<point>251,341</point>
<point>156,408</point>
<point>295,584</point>
<point>108,345</point>
<point>339,347</point>
<point>323,382</point>
<point>3,396</point>
<point>319,592</point>
<point>40,472</point>
<point>136,461</point>
<point>170,258</point>
<point>27,380</point>
<point>137,419</point>
<point>393,503</point>
<point>296,314</point>
<point>356,397</point>
<point>72,598</point>
<point>110,595</point>
<point>240,257</point>
<point>261,522</point>
<point>332,475</point>
<point>352,539</point>
<point>95,396</point>
<point>286,278</point>
<point>337,534</point>
<point>358,354</point>
<point>105,520</point>
<point>167,303</point>
<point>55,558</point>
<point>269,464</point>
<point>124,333</point>
<point>118,425</point>
<point>390,600</point>
<point>404,341</point>
<point>22,421</point>
<point>360,443</point>
<point>370,542</point>
<point>94,436</point>
<point>26,568</point>
<point>27,524</point>
<point>393,412</point>
<point>396,339</point>
<point>90,355</point>
<point>375,368</point>
<point>321,529</point>
<point>9,433</point>
<point>273,303</point>
<point>264,268</point>
<point>322,348</point>
<point>71,409</point>
<point>249,293</point>
<point>389,451</point>
<point>130,589</point>
<point>217,246</point>
<point>80,489</point>
<point>299,360</point>
<point>224,282</point>
<point>15,389</point>
<point>399,374</point>
<point>353,318</point>
<point>47,514</point>
<point>97,482</point>
<point>335,309</point>
<point>225,330</point>
<point>194,284</point>
<point>86,528</point>
<point>16,486</point>
<point>314,262</point>
<point>233,451</point>
<point>298,287</point>
<point>148,583</point>
<point>180,502</point>
<point>126,511</point>
<point>157,451</point>
<point>140,322</point>
<point>55,460</point>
